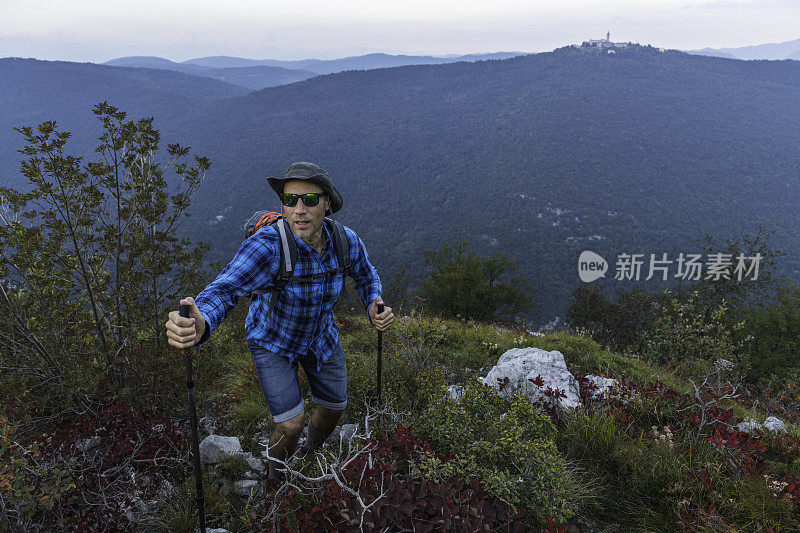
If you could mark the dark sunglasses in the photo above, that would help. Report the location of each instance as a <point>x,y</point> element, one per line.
<point>310,199</point>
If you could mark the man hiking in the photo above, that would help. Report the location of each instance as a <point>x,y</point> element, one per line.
<point>298,327</point>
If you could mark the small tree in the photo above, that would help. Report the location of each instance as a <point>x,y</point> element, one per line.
<point>95,252</point>
<point>774,330</point>
<point>465,284</point>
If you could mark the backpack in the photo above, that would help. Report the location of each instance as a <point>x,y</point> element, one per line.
<point>288,253</point>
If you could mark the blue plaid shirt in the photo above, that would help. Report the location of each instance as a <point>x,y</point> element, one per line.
<point>302,319</point>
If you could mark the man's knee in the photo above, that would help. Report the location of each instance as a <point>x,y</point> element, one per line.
<point>292,427</point>
<point>329,413</point>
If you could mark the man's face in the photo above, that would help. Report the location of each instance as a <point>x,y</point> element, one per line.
<point>306,222</point>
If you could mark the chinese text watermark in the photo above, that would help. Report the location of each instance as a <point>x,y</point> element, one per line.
<point>716,266</point>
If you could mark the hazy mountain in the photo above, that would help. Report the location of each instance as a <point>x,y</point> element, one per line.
<point>365,62</point>
<point>250,77</point>
<point>711,52</point>
<point>760,51</point>
<point>542,156</point>
<point>33,91</point>
<point>795,56</point>
<point>144,62</point>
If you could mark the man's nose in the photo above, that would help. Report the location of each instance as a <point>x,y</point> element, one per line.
<point>300,207</point>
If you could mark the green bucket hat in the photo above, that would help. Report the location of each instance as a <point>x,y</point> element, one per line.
<point>314,174</point>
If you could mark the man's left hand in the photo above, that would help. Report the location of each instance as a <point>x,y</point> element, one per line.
<point>383,320</point>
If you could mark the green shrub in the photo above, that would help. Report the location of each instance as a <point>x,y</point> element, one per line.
<point>465,284</point>
<point>775,333</point>
<point>688,331</point>
<point>508,446</point>
<point>33,486</point>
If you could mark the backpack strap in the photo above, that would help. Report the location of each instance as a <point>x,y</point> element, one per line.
<point>288,259</point>
<point>341,245</point>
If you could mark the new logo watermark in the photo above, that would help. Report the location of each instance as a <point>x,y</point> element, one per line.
<point>592,266</point>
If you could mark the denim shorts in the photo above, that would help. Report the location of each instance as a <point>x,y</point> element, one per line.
<point>279,382</point>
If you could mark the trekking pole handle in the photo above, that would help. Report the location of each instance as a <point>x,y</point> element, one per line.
<point>380,308</point>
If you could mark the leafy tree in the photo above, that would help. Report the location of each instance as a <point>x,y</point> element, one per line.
<point>774,329</point>
<point>744,293</point>
<point>95,253</point>
<point>465,284</point>
<point>622,325</point>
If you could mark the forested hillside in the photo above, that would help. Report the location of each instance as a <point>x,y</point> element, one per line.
<point>543,156</point>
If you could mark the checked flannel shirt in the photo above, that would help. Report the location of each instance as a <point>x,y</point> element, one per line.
<point>302,319</point>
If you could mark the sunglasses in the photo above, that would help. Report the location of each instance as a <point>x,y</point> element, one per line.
<point>310,199</point>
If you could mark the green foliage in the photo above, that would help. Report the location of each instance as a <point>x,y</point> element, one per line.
<point>775,332</point>
<point>509,446</point>
<point>464,284</point>
<point>33,486</point>
<point>683,334</point>
<point>232,467</point>
<point>621,325</point>
<point>95,252</point>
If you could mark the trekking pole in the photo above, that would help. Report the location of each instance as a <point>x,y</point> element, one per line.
<point>198,473</point>
<point>380,356</point>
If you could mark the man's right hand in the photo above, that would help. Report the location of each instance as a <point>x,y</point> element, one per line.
<point>185,332</point>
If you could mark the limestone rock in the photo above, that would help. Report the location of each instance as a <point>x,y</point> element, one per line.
<point>244,487</point>
<point>604,386</point>
<point>748,426</point>
<point>522,365</point>
<point>774,424</point>
<point>216,447</point>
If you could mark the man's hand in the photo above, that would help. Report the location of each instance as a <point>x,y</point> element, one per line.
<point>185,332</point>
<point>383,320</point>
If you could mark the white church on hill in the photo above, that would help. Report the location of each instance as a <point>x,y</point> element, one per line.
<point>603,43</point>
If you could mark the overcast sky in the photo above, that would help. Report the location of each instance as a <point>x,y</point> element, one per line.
<point>93,30</point>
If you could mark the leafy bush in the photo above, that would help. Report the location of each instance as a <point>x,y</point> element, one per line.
<point>508,446</point>
<point>620,325</point>
<point>687,331</point>
<point>385,497</point>
<point>33,485</point>
<point>465,284</point>
<point>775,330</point>
<point>95,252</point>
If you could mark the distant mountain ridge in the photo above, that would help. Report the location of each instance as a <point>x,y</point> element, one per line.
<point>252,77</point>
<point>260,74</point>
<point>771,51</point>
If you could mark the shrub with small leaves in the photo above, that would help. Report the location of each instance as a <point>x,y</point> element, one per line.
<point>509,446</point>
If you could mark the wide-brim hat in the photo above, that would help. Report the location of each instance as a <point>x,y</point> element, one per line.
<point>314,174</point>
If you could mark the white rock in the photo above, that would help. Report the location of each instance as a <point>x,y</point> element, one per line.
<point>244,487</point>
<point>216,447</point>
<point>88,444</point>
<point>520,365</point>
<point>455,392</point>
<point>603,385</point>
<point>348,430</point>
<point>774,424</point>
<point>256,464</point>
<point>748,426</point>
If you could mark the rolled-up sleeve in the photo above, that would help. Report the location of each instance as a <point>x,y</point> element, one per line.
<point>253,267</point>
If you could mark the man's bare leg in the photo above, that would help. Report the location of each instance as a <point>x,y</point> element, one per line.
<point>283,440</point>
<point>322,424</point>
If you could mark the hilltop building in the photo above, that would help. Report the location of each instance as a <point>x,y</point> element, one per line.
<point>603,43</point>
